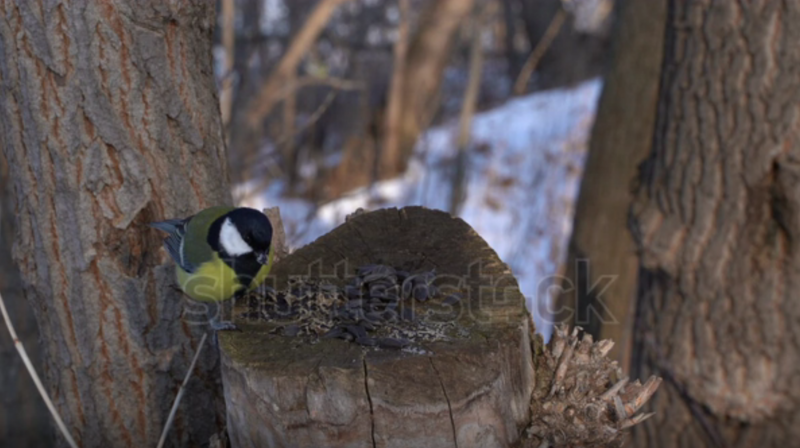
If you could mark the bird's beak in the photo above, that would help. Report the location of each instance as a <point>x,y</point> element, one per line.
<point>263,258</point>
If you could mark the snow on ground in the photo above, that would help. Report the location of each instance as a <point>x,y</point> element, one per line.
<point>523,174</point>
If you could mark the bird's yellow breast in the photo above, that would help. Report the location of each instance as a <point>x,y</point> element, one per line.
<point>215,281</point>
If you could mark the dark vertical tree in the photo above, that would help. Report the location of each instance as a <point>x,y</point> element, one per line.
<point>109,119</point>
<point>601,246</point>
<point>717,229</point>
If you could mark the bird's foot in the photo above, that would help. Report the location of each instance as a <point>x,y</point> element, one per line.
<point>223,325</point>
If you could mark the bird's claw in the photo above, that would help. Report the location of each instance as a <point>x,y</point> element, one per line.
<point>224,325</point>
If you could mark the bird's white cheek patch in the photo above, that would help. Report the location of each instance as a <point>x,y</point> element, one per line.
<point>231,240</point>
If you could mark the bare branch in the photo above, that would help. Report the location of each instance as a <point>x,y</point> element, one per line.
<point>228,40</point>
<point>180,391</point>
<point>391,142</point>
<point>287,67</point>
<point>470,104</point>
<point>539,51</point>
<point>34,376</point>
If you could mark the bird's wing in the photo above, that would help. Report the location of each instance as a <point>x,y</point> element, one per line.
<point>176,228</point>
<point>190,256</point>
<point>200,251</point>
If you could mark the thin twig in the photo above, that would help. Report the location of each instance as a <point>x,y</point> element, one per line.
<point>321,109</point>
<point>38,382</point>
<point>388,155</point>
<point>286,145</point>
<point>289,90</point>
<point>306,81</point>
<point>265,99</point>
<point>469,106</point>
<point>228,42</point>
<point>539,51</point>
<point>180,392</point>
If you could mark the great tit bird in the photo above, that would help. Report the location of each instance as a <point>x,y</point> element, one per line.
<point>220,252</point>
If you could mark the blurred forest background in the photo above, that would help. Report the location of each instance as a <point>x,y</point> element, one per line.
<point>479,107</point>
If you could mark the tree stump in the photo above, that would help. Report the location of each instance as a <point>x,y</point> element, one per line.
<point>472,390</point>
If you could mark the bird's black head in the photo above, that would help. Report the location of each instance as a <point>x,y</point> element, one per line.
<point>242,232</point>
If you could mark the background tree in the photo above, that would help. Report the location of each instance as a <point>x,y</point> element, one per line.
<point>601,244</point>
<point>109,120</point>
<point>716,226</point>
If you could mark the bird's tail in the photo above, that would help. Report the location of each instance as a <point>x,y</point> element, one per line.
<point>171,226</point>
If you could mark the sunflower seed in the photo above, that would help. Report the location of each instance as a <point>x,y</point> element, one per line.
<point>367,325</point>
<point>334,332</point>
<point>373,316</point>
<point>357,303</point>
<point>407,289</point>
<point>421,293</point>
<point>357,331</point>
<point>344,314</point>
<point>376,272</point>
<point>352,292</point>
<point>452,299</point>
<point>378,293</point>
<point>395,343</point>
<point>368,269</point>
<point>367,341</point>
<point>391,305</point>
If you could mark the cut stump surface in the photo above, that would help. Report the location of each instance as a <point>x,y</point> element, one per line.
<point>471,390</point>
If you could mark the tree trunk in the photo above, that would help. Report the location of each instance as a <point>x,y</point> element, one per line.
<point>428,54</point>
<point>470,388</point>
<point>513,58</point>
<point>110,120</point>
<point>23,416</point>
<point>601,246</point>
<point>716,224</point>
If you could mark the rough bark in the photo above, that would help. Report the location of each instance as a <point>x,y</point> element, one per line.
<point>716,225</point>
<point>110,120</point>
<point>621,139</point>
<point>23,416</point>
<point>468,390</point>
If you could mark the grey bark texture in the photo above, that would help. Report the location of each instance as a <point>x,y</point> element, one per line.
<point>23,416</point>
<point>601,247</point>
<point>109,120</point>
<point>717,228</point>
